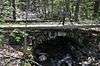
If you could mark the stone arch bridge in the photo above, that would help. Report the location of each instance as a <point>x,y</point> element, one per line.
<point>43,32</point>
<point>40,34</point>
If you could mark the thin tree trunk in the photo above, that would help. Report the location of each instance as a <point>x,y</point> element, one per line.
<point>96,8</point>
<point>52,9</point>
<point>67,9</point>
<point>77,10</point>
<point>1,8</point>
<point>45,4</point>
<point>14,10</point>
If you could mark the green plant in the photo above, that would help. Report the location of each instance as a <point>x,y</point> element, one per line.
<point>17,37</point>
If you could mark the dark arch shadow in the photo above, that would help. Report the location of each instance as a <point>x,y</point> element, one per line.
<point>58,47</point>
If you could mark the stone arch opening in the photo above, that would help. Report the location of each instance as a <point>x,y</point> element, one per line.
<point>58,51</point>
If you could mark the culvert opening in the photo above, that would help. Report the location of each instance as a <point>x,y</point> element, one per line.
<point>58,51</point>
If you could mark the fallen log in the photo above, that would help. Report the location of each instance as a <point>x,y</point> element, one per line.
<point>51,26</point>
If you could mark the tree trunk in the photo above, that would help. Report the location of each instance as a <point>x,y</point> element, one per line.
<point>96,8</point>
<point>67,9</point>
<point>76,10</point>
<point>52,9</point>
<point>14,10</point>
<point>1,7</point>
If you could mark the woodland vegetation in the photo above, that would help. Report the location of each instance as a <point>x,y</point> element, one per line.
<point>70,10</point>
